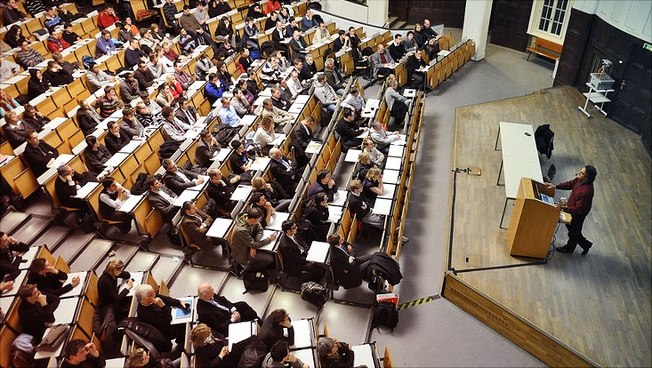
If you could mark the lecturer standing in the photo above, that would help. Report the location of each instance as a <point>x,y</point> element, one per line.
<point>578,205</point>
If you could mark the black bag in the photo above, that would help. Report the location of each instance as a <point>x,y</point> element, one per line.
<point>385,314</point>
<point>147,332</point>
<point>255,281</point>
<point>313,293</point>
<point>104,326</point>
<point>139,186</point>
<point>254,353</point>
<point>168,148</point>
<point>224,134</point>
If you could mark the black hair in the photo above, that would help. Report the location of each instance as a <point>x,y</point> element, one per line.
<point>591,173</point>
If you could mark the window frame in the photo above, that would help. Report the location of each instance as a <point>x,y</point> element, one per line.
<point>535,19</point>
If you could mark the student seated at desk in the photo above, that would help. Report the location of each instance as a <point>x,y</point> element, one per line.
<point>280,356</point>
<point>66,186</point>
<point>349,131</point>
<point>324,183</point>
<point>111,298</point>
<point>333,353</point>
<point>217,312</point>
<point>211,348</point>
<point>10,262</point>
<point>173,128</point>
<point>316,213</point>
<point>359,206</point>
<point>195,223</point>
<point>265,134</point>
<point>162,199</point>
<point>345,263</point>
<point>34,118</point>
<point>268,110</point>
<point>383,138</point>
<point>278,100</point>
<point>87,117</point>
<point>273,192</point>
<point>240,161</point>
<point>294,249</point>
<point>354,102</point>
<point>36,312</point>
<point>284,171</point>
<point>79,353</point>
<point>247,238</point>
<point>111,199</point>
<point>116,137</point>
<point>363,165</point>
<point>38,155</point>
<point>372,185</point>
<point>220,190</point>
<point>14,130</point>
<point>109,103</point>
<point>48,279</point>
<point>130,124</point>
<point>155,310</point>
<point>277,327</point>
<point>259,202</point>
<point>178,179</point>
<point>95,154</point>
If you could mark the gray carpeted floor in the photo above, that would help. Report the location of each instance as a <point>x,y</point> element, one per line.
<point>438,333</point>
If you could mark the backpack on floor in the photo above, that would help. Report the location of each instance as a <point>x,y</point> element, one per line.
<point>132,326</point>
<point>385,314</point>
<point>313,293</point>
<point>255,281</point>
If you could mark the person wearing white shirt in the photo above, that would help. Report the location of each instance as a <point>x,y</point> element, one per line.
<point>354,101</point>
<point>111,198</point>
<point>321,34</point>
<point>294,84</point>
<point>173,128</point>
<point>382,137</point>
<point>265,134</point>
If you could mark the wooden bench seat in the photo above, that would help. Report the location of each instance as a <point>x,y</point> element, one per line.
<point>545,48</point>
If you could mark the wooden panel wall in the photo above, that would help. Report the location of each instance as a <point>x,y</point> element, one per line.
<point>449,12</point>
<point>517,330</point>
<point>509,21</point>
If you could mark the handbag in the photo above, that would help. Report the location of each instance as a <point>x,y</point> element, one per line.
<point>55,337</point>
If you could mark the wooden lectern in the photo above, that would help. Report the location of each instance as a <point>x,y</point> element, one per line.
<point>533,220</point>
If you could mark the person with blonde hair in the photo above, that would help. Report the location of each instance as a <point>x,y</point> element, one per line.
<point>377,157</point>
<point>210,348</point>
<point>110,295</point>
<point>273,192</point>
<point>372,185</point>
<point>363,165</point>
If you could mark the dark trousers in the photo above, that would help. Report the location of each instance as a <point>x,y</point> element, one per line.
<point>123,217</point>
<point>575,236</point>
<point>261,261</point>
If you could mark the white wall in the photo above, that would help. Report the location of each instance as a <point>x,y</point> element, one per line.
<point>375,13</point>
<point>631,16</point>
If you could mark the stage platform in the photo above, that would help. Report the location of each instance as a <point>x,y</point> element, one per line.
<point>598,305</point>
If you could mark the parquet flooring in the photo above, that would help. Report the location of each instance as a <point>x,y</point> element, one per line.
<point>600,304</point>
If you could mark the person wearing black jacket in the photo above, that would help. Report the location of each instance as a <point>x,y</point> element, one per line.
<point>293,251</point>
<point>9,262</point>
<point>110,295</point>
<point>359,206</point>
<point>65,187</point>
<point>349,131</point>
<point>396,49</point>
<point>178,179</point>
<point>155,309</point>
<point>220,189</point>
<point>218,7</point>
<point>211,348</point>
<point>96,154</point>
<point>55,75</point>
<point>162,199</point>
<point>48,279</point>
<point>218,312</point>
<point>87,118</point>
<point>334,354</point>
<point>273,192</point>
<point>144,76</point>
<point>34,118</point>
<point>81,354</point>
<point>284,171</point>
<point>316,212</point>
<point>38,154</point>
<point>36,85</point>
<point>414,63</point>
<point>277,327</point>
<point>116,138</point>
<point>36,311</point>
<point>206,149</point>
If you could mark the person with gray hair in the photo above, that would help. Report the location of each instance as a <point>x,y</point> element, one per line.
<point>326,94</point>
<point>333,353</point>
<point>354,101</point>
<point>382,137</point>
<point>217,312</point>
<point>156,310</point>
<point>66,186</point>
<point>334,77</point>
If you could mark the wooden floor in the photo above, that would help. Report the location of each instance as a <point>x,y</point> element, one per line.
<point>600,304</point>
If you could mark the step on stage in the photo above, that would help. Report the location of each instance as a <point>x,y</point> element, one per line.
<point>572,309</point>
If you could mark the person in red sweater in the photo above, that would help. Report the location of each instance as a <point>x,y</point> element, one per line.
<point>578,205</point>
<point>272,6</point>
<point>107,17</point>
<point>56,43</point>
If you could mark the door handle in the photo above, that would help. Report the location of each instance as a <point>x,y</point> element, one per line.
<point>622,84</point>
